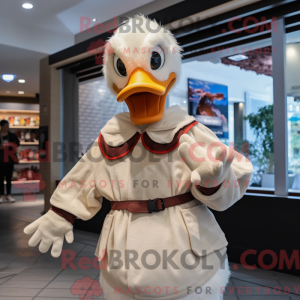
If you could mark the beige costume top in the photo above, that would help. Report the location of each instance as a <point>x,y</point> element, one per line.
<point>187,233</point>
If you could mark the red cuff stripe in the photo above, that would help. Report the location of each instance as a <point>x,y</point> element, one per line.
<point>208,191</point>
<point>66,215</point>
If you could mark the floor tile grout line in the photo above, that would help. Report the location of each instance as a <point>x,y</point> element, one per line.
<point>262,285</point>
<point>13,218</point>
<point>76,256</point>
<point>45,286</point>
<point>12,243</point>
<point>237,296</point>
<point>6,280</point>
<point>12,276</point>
<point>58,275</point>
<point>20,253</point>
<point>84,243</point>
<point>235,292</point>
<point>8,276</point>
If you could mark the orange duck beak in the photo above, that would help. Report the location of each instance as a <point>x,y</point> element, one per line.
<point>145,96</point>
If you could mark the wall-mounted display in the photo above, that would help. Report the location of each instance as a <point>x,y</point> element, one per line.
<point>208,103</point>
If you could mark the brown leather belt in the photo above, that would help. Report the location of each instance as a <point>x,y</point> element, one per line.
<point>155,205</point>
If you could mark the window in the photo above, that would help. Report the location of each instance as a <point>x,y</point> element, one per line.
<point>250,93</point>
<point>293,109</point>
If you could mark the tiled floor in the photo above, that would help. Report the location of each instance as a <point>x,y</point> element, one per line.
<point>26,274</point>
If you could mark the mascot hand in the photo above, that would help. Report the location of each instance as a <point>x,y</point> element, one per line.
<point>209,167</point>
<point>50,229</point>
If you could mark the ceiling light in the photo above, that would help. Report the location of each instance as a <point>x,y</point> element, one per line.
<point>8,77</point>
<point>20,92</point>
<point>238,57</point>
<point>291,51</point>
<point>7,92</point>
<point>21,80</point>
<point>27,6</point>
<point>94,20</point>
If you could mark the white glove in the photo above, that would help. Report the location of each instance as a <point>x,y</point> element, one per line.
<point>209,166</point>
<point>50,229</point>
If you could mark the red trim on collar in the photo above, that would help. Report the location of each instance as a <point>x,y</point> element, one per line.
<point>157,148</point>
<point>120,151</point>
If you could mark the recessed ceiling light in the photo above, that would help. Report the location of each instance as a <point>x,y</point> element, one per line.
<point>8,77</point>
<point>238,57</point>
<point>20,92</point>
<point>27,6</point>
<point>94,20</point>
<point>21,80</point>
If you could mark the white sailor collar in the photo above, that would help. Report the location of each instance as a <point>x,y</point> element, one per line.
<point>119,129</point>
<point>119,136</point>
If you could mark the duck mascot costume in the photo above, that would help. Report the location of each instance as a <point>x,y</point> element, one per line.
<point>162,171</point>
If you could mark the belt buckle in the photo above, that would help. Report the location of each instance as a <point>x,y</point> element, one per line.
<point>152,205</point>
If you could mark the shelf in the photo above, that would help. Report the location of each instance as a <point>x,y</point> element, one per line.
<point>29,143</point>
<point>7,113</point>
<point>13,111</point>
<point>23,127</point>
<point>29,162</point>
<point>22,181</point>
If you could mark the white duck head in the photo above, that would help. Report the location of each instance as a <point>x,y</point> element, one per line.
<point>145,64</point>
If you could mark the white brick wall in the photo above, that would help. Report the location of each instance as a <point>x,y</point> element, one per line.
<point>96,106</point>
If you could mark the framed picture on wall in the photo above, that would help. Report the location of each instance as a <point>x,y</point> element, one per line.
<point>208,103</point>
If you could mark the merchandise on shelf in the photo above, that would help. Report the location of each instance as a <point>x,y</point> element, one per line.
<point>30,135</point>
<point>26,174</point>
<point>28,155</point>
<point>21,121</point>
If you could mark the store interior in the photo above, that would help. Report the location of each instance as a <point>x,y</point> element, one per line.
<point>24,123</point>
<point>54,96</point>
<point>250,87</point>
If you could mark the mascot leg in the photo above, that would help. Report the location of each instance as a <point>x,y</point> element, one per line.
<point>215,285</point>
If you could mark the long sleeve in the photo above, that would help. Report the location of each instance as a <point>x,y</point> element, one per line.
<point>236,183</point>
<point>77,192</point>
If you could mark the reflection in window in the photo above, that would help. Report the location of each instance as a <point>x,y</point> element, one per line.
<point>250,91</point>
<point>96,106</point>
<point>293,112</point>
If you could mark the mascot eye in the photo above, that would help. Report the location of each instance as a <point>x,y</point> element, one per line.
<point>157,58</point>
<point>119,66</point>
